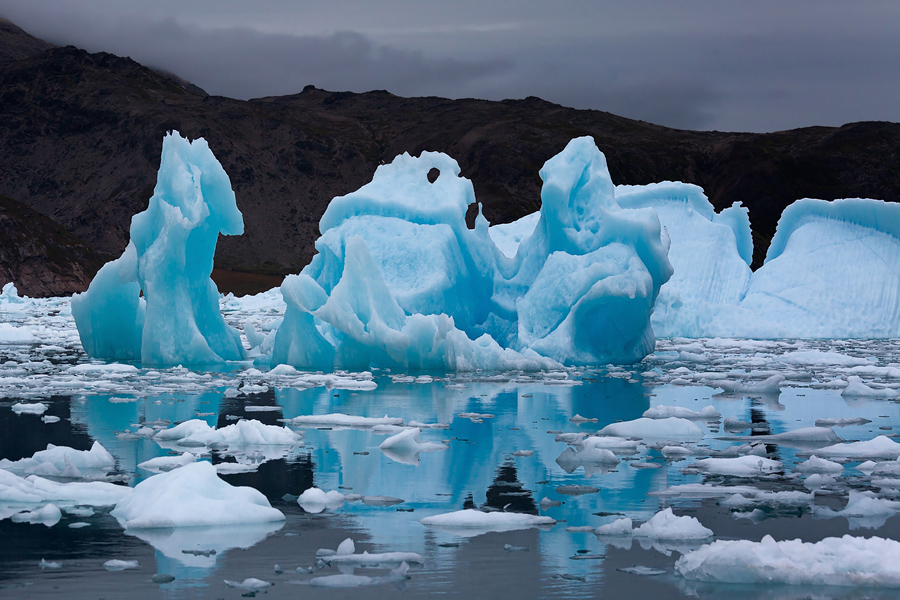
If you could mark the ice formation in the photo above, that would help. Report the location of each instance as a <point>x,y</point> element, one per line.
<point>156,303</point>
<point>846,561</point>
<point>400,281</point>
<point>470,522</point>
<point>192,496</point>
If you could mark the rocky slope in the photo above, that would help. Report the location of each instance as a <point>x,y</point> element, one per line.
<point>80,138</point>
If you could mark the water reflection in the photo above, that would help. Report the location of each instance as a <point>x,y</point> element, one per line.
<point>480,469</point>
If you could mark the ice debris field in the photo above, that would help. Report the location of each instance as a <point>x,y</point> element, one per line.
<point>597,398</point>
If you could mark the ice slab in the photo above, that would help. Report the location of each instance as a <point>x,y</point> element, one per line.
<point>471,522</point>
<point>156,303</point>
<point>64,462</point>
<point>670,428</point>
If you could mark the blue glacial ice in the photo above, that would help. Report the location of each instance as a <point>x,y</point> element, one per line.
<point>156,303</point>
<point>400,281</point>
<point>832,270</point>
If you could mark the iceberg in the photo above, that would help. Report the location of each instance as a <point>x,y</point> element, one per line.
<point>832,269</point>
<point>156,302</point>
<point>192,496</point>
<point>400,281</point>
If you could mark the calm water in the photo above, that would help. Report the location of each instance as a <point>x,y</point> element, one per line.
<point>478,470</point>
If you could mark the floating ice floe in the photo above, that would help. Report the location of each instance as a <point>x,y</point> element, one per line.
<point>741,466</point>
<point>666,525</point>
<point>856,388</point>
<point>880,447</point>
<point>24,408</point>
<point>10,334</point>
<point>471,522</point>
<point>18,491</point>
<point>48,515</point>
<point>863,510</point>
<point>251,584</point>
<point>845,561</point>
<point>192,496</point>
<point>346,555</point>
<point>580,289</point>
<point>405,446</point>
<point>120,565</point>
<point>664,412</point>
<point>251,432</point>
<point>63,462</point>
<point>672,428</point>
<point>348,580</point>
<point>822,466</point>
<point>169,258</point>
<point>163,464</point>
<point>342,420</point>
<point>314,500</point>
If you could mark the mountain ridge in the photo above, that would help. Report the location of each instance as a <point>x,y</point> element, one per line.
<point>81,133</point>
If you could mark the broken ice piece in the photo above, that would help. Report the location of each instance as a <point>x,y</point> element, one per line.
<point>251,584</point>
<point>642,570</point>
<point>523,453</point>
<point>50,564</point>
<point>120,565</point>
<point>511,548</point>
<point>162,578</point>
<point>579,419</point>
<point>547,503</point>
<point>576,490</point>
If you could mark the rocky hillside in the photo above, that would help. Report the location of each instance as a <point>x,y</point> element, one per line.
<point>80,139</point>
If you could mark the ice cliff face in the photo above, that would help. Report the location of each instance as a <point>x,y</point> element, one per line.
<point>399,280</point>
<point>156,303</point>
<point>832,270</point>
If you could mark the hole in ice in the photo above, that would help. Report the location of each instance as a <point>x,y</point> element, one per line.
<point>433,174</point>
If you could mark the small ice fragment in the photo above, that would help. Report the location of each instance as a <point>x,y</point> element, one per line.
<point>523,453</point>
<point>642,570</point>
<point>547,503</point>
<point>579,419</point>
<point>278,569</point>
<point>120,565</point>
<point>619,527</point>
<point>511,548</point>
<point>820,465</point>
<point>50,565</point>
<point>78,525</point>
<point>251,584</point>
<point>50,419</point>
<point>24,408</point>
<point>580,529</point>
<point>162,578</point>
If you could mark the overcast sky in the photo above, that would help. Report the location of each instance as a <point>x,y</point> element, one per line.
<point>739,66</point>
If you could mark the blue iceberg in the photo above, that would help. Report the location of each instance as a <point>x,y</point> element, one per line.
<point>400,281</point>
<point>156,303</point>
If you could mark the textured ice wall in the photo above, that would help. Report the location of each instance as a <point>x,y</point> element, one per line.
<point>832,271</point>
<point>156,303</point>
<point>399,280</point>
<point>711,254</point>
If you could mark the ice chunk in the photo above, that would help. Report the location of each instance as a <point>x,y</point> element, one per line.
<point>37,490</point>
<point>664,412</point>
<point>251,584</point>
<point>345,555</point>
<point>243,433</point>
<point>856,388</point>
<point>665,525</point>
<point>48,515</point>
<point>342,420</point>
<point>619,527</point>
<point>471,522</point>
<point>192,496</point>
<point>880,447</point>
<point>741,466</point>
<point>846,561</point>
<point>56,461</point>
<point>399,280</point>
<point>169,259</point>
<point>347,580</point>
<point>120,565</point>
<point>314,500</point>
<point>24,408</point>
<point>819,465</point>
<point>10,334</point>
<point>162,464</point>
<point>405,446</point>
<point>671,428</point>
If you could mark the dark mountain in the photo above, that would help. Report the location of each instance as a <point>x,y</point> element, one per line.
<point>80,139</point>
